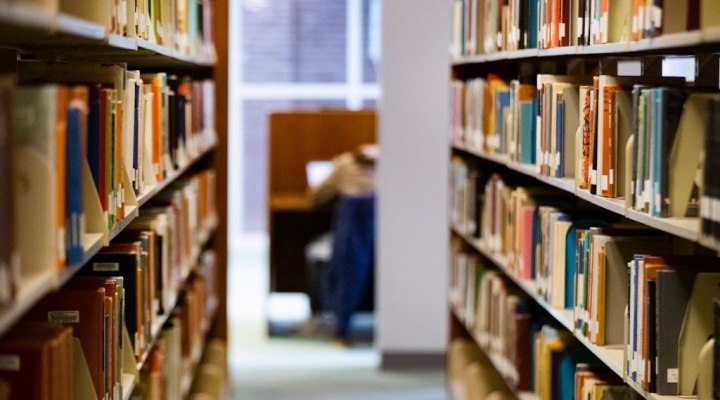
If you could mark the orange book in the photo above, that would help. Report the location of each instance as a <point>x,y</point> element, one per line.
<point>63,95</point>
<point>113,337</point>
<point>607,145</point>
<point>84,311</point>
<point>557,16</point>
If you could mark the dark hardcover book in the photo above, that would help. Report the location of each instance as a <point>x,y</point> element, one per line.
<point>672,293</point>
<point>565,22</point>
<point>716,350</point>
<point>523,360</point>
<point>673,100</point>
<point>580,29</point>
<point>693,19</point>
<point>532,30</point>
<point>714,156</point>
<point>74,191</point>
<point>7,246</point>
<point>651,300</point>
<point>524,24</point>
<point>123,260</point>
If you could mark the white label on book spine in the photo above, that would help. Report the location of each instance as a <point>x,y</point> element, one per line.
<point>612,176</point>
<point>562,31</point>
<point>657,16</point>
<point>578,33</point>
<point>9,362</point>
<point>641,18</point>
<point>593,177</point>
<point>672,375</point>
<point>705,207</point>
<point>716,210</point>
<point>634,23</point>
<point>106,267</point>
<point>604,182</point>
<point>64,317</point>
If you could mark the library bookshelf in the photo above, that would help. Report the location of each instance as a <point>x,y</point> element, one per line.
<point>79,33</point>
<point>480,149</point>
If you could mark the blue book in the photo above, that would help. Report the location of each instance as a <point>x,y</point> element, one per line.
<point>528,118</point>
<point>567,367</point>
<point>571,262</point>
<point>656,143</point>
<point>74,191</point>
<point>533,24</point>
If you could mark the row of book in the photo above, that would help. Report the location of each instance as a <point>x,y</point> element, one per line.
<point>212,378</point>
<point>181,25</point>
<point>89,326</point>
<point>488,26</point>
<point>171,363</point>
<point>606,271</point>
<point>618,137</point>
<point>81,154</point>
<point>541,358</point>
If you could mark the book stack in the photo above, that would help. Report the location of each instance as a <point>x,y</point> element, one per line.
<point>465,197</point>
<point>171,364</point>
<point>124,295</point>
<point>606,137</point>
<point>92,150</point>
<point>489,26</point>
<point>516,342</point>
<point>620,282</point>
<point>181,25</point>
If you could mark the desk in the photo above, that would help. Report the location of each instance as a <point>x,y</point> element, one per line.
<point>293,224</point>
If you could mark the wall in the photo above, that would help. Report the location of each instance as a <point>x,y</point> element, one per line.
<point>412,178</point>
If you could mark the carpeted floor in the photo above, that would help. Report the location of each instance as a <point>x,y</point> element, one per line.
<point>298,369</point>
<point>293,369</point>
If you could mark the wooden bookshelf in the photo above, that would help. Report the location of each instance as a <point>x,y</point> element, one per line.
<point>677,43</point>
<point>32,32</point>
<point>523,65</point>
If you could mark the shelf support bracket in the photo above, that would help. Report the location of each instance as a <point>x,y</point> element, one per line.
<point>706,70</point>
<point>652,65</point>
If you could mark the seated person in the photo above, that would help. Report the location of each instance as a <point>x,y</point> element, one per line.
<point>353,174</point>
<point>333,284</point>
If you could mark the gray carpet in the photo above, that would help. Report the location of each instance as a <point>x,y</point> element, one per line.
<point>291,369</point>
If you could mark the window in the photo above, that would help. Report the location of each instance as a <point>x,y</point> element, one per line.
<point>299,54</point>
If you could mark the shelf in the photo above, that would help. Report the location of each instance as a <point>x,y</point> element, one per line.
<point>61,36</point>
<point>196,355</point>
<point>160,320</point>
<point>33,289</point>
<point>501,365</point>
<point>676,43</point>
<point>73,26</point>
<point>157,188</point>
<point>612,356</point>
<point>686,228</point>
